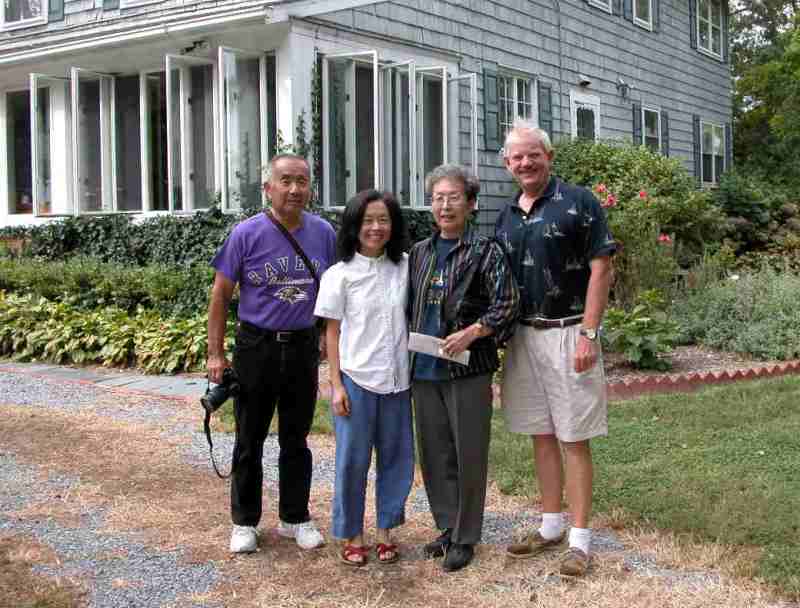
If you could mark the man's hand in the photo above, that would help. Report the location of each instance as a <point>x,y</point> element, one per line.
<point>216,365</point>
<point>340,404</point>
<point>585,354</point>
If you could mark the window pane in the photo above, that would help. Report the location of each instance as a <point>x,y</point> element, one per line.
<point>716,40</point>
<point>705,41</point>
<point>716,13</point>
<point>702,9</point>
<point>157,140</point>
<point>20,173</point>
<point>718,138</point>
<point>22,10</point>
<point>643,10</point>
<point>201,136</point>
<point>337,115</point>
<point>505,104</point>
<point>174,113</point>
<point>707,172</point>
<point>650,123</point>
<point>708,139</point>
<point>524,102</point>
<point>90,145</point>
<point>365,129</point>
<point>400,138</point>
<point>242,112</point>
<point>719,167</point>
<point>433,136</point>
<point>128,144</point>
<point>585,123</point>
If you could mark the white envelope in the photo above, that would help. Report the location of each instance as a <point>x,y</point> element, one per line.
<point>429,345</point>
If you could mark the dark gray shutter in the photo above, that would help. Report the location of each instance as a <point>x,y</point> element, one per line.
<point>664,133</point>
<point>56,10</point>
<point>693,23</point>
<point>546,108</point>
<point>656,15</point>
<point>725,21</point>
<point>697,159</point>
<point>110,5</point>
<point>491,111</point>
<point>616,7</point>
<point>728,147</point>
<point>627,9</point>
<point>637,124</point>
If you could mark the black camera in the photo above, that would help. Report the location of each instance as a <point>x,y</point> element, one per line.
<point>215,397</point>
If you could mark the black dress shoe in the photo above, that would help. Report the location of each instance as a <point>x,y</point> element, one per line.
<point>438,547</point>
<point>458,556</point>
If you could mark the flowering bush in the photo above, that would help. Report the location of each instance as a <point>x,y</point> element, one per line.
<point>655,211</point>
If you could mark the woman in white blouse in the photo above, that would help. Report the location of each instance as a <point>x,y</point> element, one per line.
<point>363,297</point>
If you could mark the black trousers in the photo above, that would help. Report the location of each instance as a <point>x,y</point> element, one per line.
<point>282,374</point>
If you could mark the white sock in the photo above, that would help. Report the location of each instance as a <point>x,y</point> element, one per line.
<point>580,538</point>
<point>552,525</point>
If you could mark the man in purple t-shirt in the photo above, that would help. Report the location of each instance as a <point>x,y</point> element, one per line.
<point>276,357</point>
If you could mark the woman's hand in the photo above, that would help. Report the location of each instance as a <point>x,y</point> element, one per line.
<point>340,404</point>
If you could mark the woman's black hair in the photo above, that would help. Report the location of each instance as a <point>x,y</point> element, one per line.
<point>347,239</point>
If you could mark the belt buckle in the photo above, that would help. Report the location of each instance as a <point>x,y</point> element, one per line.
<point>283,336</point>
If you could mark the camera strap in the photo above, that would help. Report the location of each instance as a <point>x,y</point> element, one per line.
<point>295,245</point>
<point>207,428</point>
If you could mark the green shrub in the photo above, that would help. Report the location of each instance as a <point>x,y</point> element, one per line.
<point>642,333</point>
<point>749,313</point>
<point>33,328</point>
<point>89,283</point>
<point>654,210</point>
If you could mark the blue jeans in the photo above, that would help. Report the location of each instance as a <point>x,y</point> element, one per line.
<point>382,421</point>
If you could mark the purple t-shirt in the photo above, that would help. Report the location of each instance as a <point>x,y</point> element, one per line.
<point>275,290</point>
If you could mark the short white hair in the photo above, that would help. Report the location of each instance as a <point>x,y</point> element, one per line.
<point>523,127</point>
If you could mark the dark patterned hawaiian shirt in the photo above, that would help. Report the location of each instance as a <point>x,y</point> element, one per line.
<point>551,247</point>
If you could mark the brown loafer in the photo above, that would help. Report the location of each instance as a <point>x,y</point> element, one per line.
<point>574,562</point>
<point>533,544</point>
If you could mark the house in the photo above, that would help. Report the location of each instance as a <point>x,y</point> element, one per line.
<point>168,106</point>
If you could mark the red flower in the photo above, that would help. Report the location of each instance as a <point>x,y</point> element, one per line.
<point>610,201</point>
<point>664,238</point>
<point>600,188</point>
<point>642,194</point>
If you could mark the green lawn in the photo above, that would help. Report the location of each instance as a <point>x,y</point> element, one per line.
<point>722,464</point>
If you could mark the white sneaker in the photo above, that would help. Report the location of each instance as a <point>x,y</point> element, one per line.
<point>243,539</point>
<point>306,534</point>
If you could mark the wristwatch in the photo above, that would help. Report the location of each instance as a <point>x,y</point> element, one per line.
<point>590,333</point>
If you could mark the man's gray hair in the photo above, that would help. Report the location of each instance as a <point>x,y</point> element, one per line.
<point>521,128</point>
<point>270,168</point>
<point>472,185</point>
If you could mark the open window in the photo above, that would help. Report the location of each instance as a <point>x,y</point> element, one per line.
<point>351,129</point>
<point>245,83</point>
<point>15,125</point>
<point>191,133</point>
<point>51,145</point>
<point>432,133</point>
<point>399,141</point>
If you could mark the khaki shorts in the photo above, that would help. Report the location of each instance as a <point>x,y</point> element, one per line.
<point>542,392</point>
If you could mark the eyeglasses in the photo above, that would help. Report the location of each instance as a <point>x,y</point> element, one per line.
<point>450,199</point>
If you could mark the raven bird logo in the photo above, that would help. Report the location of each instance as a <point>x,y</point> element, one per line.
<point>292,295</point>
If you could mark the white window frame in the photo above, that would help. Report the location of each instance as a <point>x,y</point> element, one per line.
<point>604,5</point>
<point>183,62</point>
<point>657,112</point>
<point>644,23</point>
<point>707,23</point>
<point>60,143</point>
<point>580,99</point>
<point>264,143</point>
<point>714,178</point>
<point>421,74</point>
<point>514,78</point>
<point>366,57</point>
<point>31,21</point>
<point>393,150</point>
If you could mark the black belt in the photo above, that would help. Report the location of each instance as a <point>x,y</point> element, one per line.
<point>539,323</point>
<point>283,336</point>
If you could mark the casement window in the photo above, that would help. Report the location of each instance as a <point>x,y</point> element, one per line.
<point>180,139</point>
<point>516,100</point>
<point>584,115</point>
<point>643,13</point>
<point>15,106</point>
<point>22,13</point>
<point>712,152</point>
<point>387,124</point>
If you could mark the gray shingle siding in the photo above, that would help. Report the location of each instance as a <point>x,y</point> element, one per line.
<point>661,66</point>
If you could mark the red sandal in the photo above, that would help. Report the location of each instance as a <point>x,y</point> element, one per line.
<point>382,549</point>
<point>351,551</point>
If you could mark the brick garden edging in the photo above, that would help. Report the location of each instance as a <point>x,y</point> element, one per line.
<point>677,383</point>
